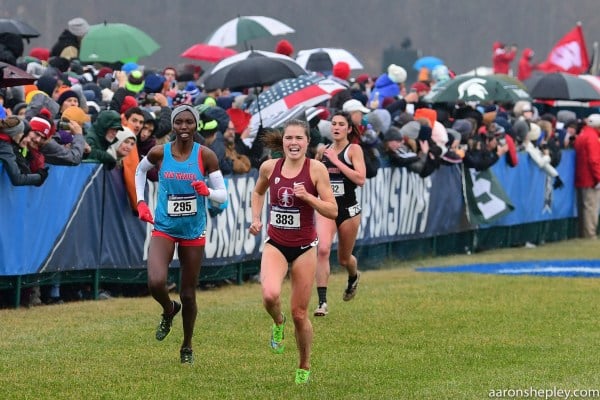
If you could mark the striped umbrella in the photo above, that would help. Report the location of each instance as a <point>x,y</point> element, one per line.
<point>245,28</point>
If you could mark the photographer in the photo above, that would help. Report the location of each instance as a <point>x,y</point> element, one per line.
<point>486,148</point>
<point>68,146</point>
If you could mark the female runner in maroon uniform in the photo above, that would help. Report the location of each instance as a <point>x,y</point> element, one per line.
<point>297,187</point>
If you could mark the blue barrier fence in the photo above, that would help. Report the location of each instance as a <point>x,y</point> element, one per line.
<point>80,218</point>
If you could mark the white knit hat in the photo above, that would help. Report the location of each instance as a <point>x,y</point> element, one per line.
<point>396,73</point>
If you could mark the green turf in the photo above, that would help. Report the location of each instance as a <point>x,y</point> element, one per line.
<point>407,335</point>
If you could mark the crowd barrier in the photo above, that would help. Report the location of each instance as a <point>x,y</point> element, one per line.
<point>78,226</point>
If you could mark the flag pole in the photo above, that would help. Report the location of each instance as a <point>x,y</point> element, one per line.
<point>594,68</point>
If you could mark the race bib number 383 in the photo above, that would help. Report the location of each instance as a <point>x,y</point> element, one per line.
<point>285,219</point>
<point>181,205</point>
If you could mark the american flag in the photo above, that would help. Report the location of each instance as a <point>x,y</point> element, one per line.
<point>307,90</point>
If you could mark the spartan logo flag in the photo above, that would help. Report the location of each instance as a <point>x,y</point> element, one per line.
<point>485,199</point>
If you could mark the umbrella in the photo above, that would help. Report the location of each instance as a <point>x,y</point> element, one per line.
<point>13,76</point>
<point>429,62</point>
<point>23,29</point>
<point>306,90</point>
<point>561,86</point>
<point>277,120</point>
<point>112,42</point>
<point>207,52</point>
<point>488,88</point>
<point>245,28</point>
<point>323,59</point>
<point>252,68</point>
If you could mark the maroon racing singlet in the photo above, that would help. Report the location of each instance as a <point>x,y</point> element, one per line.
<point>291,220</point>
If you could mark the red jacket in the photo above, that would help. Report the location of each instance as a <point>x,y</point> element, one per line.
<point>501,60</point>
<point>587,158</point>
<point>525,65</point>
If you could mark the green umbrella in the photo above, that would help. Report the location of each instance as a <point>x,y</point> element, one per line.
<point>490,88</point>
<point>116,42</point>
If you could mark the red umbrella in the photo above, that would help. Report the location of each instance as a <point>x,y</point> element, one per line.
<point>207,52</point>
<point>13,76</point>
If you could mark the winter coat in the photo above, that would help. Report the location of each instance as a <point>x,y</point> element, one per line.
<point>525,65</point>
<point>58,154</point>
<point>587,158</point>
<point>96,138</point>
<point>67,46</point>
<point>15,164</point>
<point>501,60</point>
<point>384,87</point>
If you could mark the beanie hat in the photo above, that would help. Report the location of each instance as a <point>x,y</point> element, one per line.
<point>154,83</point>
<point>129,67</point>
<point>41,53</point>
<point>463,126</point>
<point>284,47</point>
<point>78,26</point>
<point>393,133</point>
<point>439,134</point>
<point>341,70</point>
<point>135,81</point>
<point>411,130</point>
<point>184,107</point>
<point>66,94</point>
<point>520,129</point>
<point>12,126</point>
<point>41,124</point>
<point>427,113</point>
<point>128,102</point>
<point>102,72</point>
<point>74,113</point>
<point>593,120</point>
<point>565,116</point>
<point>396,73</point>
<point>192,90</point>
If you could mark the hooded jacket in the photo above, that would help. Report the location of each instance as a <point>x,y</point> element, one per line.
<point>525,65</point>
<point>96,137</point>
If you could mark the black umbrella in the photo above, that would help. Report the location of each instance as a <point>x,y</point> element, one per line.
<point>13,76</point>
<point>561,86</point>
<point>252,68</point>
<point>23,29</point>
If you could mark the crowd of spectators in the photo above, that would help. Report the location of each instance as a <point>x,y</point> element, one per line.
<point>114,114</point>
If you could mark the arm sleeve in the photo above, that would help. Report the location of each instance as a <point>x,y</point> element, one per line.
<point>140,178</point>
<point>217,190</point>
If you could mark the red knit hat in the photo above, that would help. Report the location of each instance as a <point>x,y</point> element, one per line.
<point>341,69</point>
<point>128,102</point>
<point>41,53</point>
<point>41,123</point>
<point>284,47</point>
<point>239,118</point>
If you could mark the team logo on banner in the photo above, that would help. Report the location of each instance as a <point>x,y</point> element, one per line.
<point>485,197</point>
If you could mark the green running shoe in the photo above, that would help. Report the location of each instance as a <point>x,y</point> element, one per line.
<point>277,336</point>
<point>302,376</point>
<point>163,329</point>
<point>187,355</point>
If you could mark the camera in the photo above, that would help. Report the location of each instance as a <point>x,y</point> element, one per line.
<point>63,125</point>
<point>501,140</point>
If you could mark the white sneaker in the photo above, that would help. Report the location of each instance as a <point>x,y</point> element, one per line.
<point>321,310</point>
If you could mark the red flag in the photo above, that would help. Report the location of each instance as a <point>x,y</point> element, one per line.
<point>568,55</point>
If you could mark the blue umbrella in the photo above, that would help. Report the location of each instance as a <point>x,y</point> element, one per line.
<point>429,62</point>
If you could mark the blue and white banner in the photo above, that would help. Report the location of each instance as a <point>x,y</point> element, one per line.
<point>80,218</point>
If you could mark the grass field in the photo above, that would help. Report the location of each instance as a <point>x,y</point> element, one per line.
<point>407,335</point>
